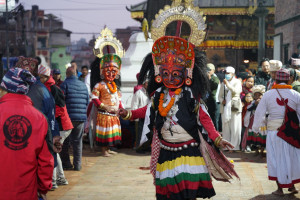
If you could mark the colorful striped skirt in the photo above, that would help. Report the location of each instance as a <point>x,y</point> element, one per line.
<point>259,140</point>
<point>108,130</point>
<point>182,174</point>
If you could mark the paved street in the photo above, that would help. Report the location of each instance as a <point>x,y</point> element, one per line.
<point>123,177</point>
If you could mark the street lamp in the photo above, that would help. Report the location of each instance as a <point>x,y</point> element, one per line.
<point>261,12</point>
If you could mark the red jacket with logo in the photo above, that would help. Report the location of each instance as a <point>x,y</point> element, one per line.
<point>26,162</point>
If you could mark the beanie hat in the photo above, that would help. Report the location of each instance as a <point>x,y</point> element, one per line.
<point>44,70</point>
<point>275,65</point>
<point>283,75</point>
<point>210,66</point>
<point>259,88</point>
<point>26,63</point>
<point>17,80</point>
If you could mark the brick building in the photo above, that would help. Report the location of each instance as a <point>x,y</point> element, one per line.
<point>287,29</point>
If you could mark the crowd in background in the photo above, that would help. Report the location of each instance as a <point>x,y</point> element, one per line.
<point>231,102</point>
<point>234,97</point>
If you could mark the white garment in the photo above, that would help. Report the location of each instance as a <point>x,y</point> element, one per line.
<point>227,107</point>
<point>282,158</point>
<point>231,131</point>
<point>268,104</point>
<point>139,99</point>
<point>87,81</point>
<point>218,90</point>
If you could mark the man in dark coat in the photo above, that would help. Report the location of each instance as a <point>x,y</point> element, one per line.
<point>77,99</point>
<point>263,76</point>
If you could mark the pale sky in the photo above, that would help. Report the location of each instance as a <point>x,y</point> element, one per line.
<point>88,16</point>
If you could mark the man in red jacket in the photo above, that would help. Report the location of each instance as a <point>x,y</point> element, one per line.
<point>26,162</point>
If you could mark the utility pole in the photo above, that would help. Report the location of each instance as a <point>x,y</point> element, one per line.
<point>261,12</point>
<point>6,38</point>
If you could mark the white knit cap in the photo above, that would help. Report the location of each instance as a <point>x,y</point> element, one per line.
<point>259,88</point>
<point>275,65</point>
<point>230,69</point>
<point>44,70</point>
<point>210,66</point>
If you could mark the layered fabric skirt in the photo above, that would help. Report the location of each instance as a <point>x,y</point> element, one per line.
<point>108,130</point>
<point>255,140</point>
<point>283,161</point>
<point>182,174</point>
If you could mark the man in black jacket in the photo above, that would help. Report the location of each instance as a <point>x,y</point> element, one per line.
<point>263,76</point>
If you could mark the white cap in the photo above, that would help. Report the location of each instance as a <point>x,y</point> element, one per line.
<point>210,66</point>
<point>230,69</point>
<point>275,65</point>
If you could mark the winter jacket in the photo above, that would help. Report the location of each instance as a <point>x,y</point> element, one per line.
<point>262,78</point>
<point>61,114</point>
<point>44,102</point>
<point>26,162</point>
<point>77,98</point>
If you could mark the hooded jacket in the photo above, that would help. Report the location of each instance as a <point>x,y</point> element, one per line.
<point>61,114</point>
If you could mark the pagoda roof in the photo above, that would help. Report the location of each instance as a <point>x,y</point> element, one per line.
<point>212,7</point>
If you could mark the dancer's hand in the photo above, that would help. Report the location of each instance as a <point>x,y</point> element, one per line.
<point>122,112</point>
<point>225,144</point>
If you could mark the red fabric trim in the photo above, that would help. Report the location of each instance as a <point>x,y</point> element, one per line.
<point>206,122</point>
<point>177,145</point>
<point>284,185</point>
<point>256,139</point>
<point>139,113</point>
<point>116,138</point>
<point>120,105</point>
<point>97,102</point>
<point>183,185</point>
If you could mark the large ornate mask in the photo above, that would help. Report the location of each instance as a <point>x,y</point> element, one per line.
<point>110,66</point>
<point>174,60</point>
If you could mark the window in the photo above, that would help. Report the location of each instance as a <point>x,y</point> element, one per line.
<point>286,53</point>
<point>41,42</point>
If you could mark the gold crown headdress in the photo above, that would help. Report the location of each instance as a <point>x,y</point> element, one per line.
<point>180,11</point>
<point>169,49</point>
<point>107,39</point>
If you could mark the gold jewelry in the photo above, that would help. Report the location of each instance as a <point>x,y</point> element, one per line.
<point>128,116</point>
<point>218,140</point>
<point>101,106</point>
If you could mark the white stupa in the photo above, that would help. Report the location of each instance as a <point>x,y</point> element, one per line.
<point>132,63</point>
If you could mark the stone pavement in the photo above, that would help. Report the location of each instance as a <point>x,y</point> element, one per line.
<point>123,176</point>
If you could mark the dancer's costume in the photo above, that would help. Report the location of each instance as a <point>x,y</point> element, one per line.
<point>106,92</point>
<point>176,112</point>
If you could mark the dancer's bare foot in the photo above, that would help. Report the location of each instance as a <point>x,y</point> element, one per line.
<point>278,192</point>
<point>106,154</point>
<point>293,190</point>
<point>112,152</point>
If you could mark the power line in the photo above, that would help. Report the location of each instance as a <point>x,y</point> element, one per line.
<point>82,9</point>
<point>89,3</point>
<point>52,32</point>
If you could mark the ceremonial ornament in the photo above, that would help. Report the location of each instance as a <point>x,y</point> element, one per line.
<point>164,111</point>
<point>170,51</point>
<point>107,39</point>
<point>108,60</point>
<point>180,11</point>
<point>112,89</point>
<point>277,86</point>
<point>145,28</point>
